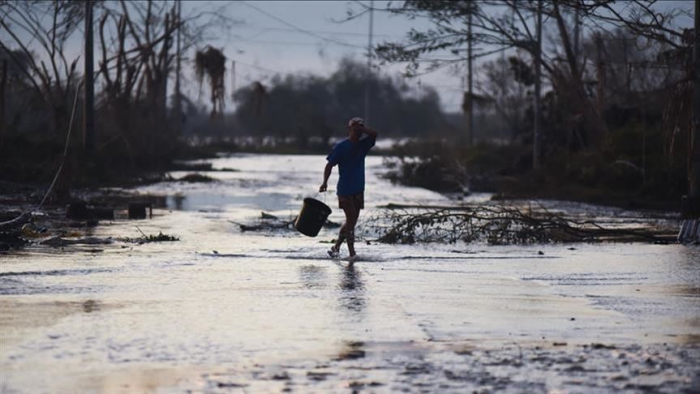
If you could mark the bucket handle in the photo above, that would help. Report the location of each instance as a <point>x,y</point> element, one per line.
<point>324,196</point>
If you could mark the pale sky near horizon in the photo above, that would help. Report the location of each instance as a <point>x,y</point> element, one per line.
<point>283,37</point>
<point>269,40</point>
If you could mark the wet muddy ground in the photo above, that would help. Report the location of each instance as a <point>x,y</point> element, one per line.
<point>222,310</point>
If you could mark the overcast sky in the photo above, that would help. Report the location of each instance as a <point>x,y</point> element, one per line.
<point>282,37</point>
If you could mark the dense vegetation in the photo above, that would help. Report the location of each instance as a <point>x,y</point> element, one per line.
<point>614,122</point>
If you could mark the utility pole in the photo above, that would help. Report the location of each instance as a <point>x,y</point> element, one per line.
<point>233,76</point>
<point>3,84</point>
<point>470,83</point>
<point>537,137</point>
<point>369,59</point>
<point>163,87</point>
<point>178,57</point>
<point>89,104</point>
<point>690,207</point>
<point>695,136</point>
<point>627,68</point>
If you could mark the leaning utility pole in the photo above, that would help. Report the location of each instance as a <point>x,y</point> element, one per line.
<point>369,60</point>
<point>470,83</point>
<point>89,85</point>
<point>537,137</point>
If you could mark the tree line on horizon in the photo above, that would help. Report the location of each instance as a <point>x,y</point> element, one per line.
<point>621,91</point>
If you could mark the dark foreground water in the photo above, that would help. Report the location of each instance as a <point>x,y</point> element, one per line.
<point>225,311</point>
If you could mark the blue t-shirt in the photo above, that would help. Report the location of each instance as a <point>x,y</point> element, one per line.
<point>350,158</point>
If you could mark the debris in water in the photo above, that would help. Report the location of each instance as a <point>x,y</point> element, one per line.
<point>144,239</point>
<point>265,215</point>
<point>269,222</point>
<point>196,178</point>
<point>318,376</point>
<point>230,385</point>
<point>57,242</point>
<point>602,346</point>
<point>137,210</point>
<point>11,240</point>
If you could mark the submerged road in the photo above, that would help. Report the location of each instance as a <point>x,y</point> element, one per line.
<point>226,311</point>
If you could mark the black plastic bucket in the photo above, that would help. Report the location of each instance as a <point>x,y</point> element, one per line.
<point>312,216</point>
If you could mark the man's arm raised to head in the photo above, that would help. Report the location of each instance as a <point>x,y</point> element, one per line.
<point>371,133</point>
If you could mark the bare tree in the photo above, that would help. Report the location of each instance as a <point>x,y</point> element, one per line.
<point>507,86</point>
<point>39,31</point>
<point>138,60</point>
<point>508,24</point>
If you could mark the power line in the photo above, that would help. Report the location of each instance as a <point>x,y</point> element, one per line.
<point>339,33</point>
<point>308,32</point>
<point>259,67</point>
<point>273,42</point>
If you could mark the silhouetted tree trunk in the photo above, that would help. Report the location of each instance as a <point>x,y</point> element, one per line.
<point>537,138</point>
<point>470,83</point>
<point>601,74</point>
<point>592,121</point>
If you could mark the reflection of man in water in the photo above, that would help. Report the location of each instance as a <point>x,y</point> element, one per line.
<point>349,154</point>
<point>353,289</point>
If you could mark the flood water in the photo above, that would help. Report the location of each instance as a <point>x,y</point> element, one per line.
<point>228,311</point>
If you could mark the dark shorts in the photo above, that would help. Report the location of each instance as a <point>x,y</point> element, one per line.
<point>353,201</point>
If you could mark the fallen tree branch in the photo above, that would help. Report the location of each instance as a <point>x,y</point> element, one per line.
<point>501,225</point>
<point>268,222</point>
<point>17,222</point>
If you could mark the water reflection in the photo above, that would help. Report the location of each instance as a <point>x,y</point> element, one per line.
<point>352,288</point>
<point>90,306</point>
<point>179,199</point>
<point>312,276</point>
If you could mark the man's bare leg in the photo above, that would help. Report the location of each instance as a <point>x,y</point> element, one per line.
<point>347,233</point>
<point>342,235</point>
<point>351,215</point>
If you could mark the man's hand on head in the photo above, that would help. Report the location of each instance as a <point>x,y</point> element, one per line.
<point>357,125</point>
<point>368,131</point>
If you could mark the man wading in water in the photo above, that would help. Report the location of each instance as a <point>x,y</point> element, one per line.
<point>349,154</point>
